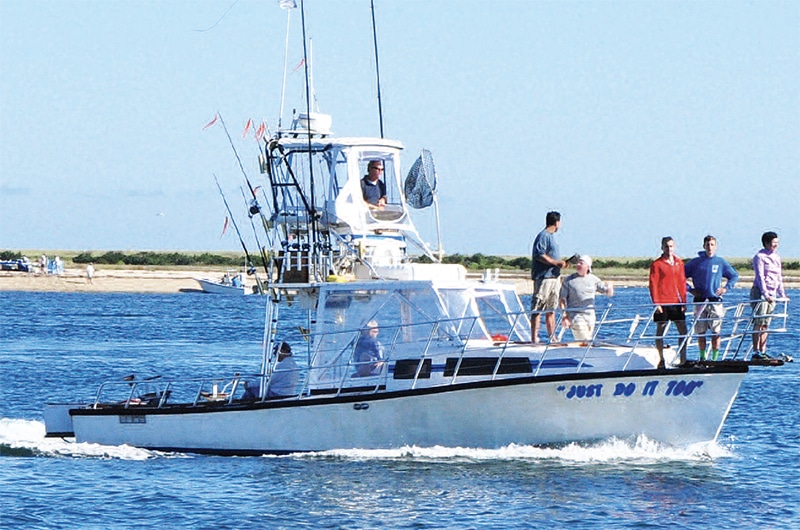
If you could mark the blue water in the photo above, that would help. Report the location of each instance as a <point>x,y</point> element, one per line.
<point>57,346</point>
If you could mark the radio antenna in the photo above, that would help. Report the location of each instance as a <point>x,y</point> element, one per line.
<point>377,68</point>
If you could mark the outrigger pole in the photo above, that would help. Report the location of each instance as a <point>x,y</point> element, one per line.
<point>312,214</point>
<point>288,6</point>
<point>377,68</point>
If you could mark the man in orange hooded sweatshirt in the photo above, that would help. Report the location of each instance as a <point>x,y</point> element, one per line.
<point>668,292</point>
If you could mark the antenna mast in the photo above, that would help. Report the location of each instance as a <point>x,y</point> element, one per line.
<point>377,68</point>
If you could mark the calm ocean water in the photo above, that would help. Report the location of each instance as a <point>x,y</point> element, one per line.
<point>58,346</point>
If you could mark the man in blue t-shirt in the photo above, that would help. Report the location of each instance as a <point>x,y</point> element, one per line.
<point>706,272</point>
<point>546,265</point>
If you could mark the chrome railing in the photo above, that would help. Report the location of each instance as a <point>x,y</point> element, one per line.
<point>334,364</point>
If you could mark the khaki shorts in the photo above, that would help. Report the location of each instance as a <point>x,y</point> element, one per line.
<point>583,326</point>
<point>708,317</point>
<point>545,294</point>
<point>762,309</point>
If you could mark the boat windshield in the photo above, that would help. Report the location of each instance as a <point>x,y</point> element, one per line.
<point>487,313</point>
<point>409,318</point>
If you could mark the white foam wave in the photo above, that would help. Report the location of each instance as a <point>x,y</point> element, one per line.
<point>638,451</point>
<point>28,435</point>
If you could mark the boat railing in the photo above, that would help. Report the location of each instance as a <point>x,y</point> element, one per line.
<point>130,393</point>
<point>435,342</point>
<point>736,327</point>
<point>413,352</point>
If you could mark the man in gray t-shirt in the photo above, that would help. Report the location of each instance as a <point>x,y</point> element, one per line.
<point>577,298</point>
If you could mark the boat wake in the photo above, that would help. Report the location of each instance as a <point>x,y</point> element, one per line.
<point>640,450</point>
<point>25,438</point>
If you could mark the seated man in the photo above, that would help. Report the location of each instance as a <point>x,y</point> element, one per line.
<point>368,355</point>
<point>285,375</point>
<point>373,189</point>
<point>577,297</point>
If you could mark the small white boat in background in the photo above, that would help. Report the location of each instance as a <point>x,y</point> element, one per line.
<point>392,352</point>
<point>230,284</point>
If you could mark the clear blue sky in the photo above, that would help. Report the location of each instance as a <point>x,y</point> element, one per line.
<point>633,119</point>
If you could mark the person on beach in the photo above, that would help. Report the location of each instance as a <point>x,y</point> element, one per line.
<point>767,288</point>
<point>373,188</point>
<point>667,284</point>
<point>546,265</point>
<point>706,272</point>
<point>368,354</point>
<point>577,298</point>
<point>90,273</point>
<point>285,375</point>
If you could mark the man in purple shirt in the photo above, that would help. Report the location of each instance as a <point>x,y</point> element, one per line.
<point>767,287</point>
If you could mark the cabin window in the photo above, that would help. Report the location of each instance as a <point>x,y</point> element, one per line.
<point>387,175</point>
<point>407,369</point>
<point>485,366</point>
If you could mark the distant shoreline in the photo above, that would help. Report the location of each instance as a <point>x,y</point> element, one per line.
<point>166,280</point>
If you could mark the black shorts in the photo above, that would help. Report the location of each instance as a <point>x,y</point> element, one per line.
<point>670,312</point>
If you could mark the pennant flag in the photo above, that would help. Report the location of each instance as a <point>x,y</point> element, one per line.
<point>212,122</point>
<point>287,4</point>
<point>224,227</point>
<point>262,129</point>
<point>247,127</point>
<point>299,65</point>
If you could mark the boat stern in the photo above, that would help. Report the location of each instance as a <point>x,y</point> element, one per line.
<point>57,420</point>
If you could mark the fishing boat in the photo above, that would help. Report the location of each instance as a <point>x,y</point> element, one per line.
<point>231,283</point>
<point>397,348</point>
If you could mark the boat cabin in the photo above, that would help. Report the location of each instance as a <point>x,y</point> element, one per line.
<point>417,324</point>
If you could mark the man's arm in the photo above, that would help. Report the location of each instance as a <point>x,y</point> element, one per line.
<point>544,258</point>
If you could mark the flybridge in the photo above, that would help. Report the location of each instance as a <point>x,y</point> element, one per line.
<point>320,216</point>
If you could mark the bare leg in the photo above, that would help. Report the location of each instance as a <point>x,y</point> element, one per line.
<point>535,322</point>
<point>661,328</point>
<point>681,325</point>
<point>760,339</point>
<point>715,342</point>
<point>701,343</point>
<point>550,322</point>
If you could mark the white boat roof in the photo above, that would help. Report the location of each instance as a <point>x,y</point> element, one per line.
<point>300,141</point>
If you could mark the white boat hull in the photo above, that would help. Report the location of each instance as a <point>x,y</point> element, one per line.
<point>213,287</point>
<point>680,408</point>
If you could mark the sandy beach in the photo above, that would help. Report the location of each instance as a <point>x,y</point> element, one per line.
<point>108,281</point>
<point>174,281</point>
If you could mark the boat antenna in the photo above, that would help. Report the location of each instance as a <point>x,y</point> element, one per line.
<point>235,226</point>
<point>377,68</point>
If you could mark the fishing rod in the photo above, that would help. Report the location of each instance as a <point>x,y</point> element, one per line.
<point>264,259</point>
<point>377,68</point>
<point>255,206</point>
<point>235,226</point>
